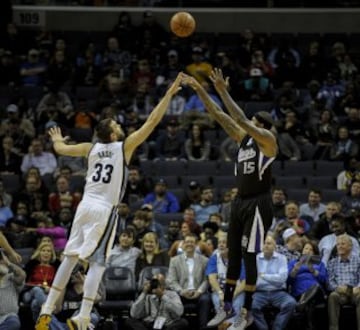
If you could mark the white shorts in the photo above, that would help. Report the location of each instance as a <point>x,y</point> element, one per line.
<point>93,232</point>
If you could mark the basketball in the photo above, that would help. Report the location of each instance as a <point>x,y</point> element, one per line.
<point>182,24</point>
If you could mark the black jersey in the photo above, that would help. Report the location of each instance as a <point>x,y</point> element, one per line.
<point>252,170</point>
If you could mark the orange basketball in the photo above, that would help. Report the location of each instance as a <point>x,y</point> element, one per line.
<point>182,24</point>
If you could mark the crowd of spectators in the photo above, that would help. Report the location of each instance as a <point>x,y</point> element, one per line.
<point>312,93</point>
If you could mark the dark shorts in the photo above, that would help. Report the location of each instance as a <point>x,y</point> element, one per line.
<point>254,216</point>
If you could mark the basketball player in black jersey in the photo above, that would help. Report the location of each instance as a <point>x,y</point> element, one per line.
<point>251,212</point>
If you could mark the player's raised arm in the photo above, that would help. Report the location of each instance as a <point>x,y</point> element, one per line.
<point>264,137</point>
<point>75,150</point>
<point>227,123</point>
<point>139,136</point>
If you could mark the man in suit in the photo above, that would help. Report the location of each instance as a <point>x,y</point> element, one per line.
<point>187,277</point>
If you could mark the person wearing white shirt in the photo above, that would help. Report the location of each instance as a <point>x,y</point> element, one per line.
<point>313,207</point>
<point>271,287</point>
<point>327,245</point>
<point>37,157</point>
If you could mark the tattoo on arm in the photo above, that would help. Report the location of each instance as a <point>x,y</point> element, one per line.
<point>235,111</point>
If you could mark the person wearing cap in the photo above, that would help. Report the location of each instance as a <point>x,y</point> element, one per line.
<point>25,125</point>
<point>170,143</point>
<point>292,245</point>
<point>271,287</point>
<point>32,71</point>
<point>192,195</point>
<point>162,200</point>
<point>257,87</point>
<point>252,216</point>
<point>200,69</point>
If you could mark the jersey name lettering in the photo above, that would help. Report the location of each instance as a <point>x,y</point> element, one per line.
<point>105,154</point>
<point>246,154</point>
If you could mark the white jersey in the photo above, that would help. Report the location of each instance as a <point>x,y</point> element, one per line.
<point>106,176</point>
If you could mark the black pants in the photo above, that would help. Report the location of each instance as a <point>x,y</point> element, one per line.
<point>133,324</point>
<point>202,305</point>
<point>250,220</point>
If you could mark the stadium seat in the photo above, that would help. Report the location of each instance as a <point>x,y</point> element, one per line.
<point>327,168</point>
<point>121,291</point>
<point>207,167</point>
<point>290,182</point>
<point>321,182</point>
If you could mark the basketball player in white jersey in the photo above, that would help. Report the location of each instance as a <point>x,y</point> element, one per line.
<point>93,230</point>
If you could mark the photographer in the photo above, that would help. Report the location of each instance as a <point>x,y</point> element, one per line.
<point>156,308</point>
<point>12,279</point>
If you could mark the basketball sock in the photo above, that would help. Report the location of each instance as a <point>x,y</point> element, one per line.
<point>91,286</point>
<point>248,299</point>
<point>229,291</point>
<point>61,279</point>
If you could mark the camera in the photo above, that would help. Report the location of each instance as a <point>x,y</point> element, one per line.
<point>154,283</point>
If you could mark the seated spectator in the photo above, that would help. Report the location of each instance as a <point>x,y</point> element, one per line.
<point>10,159</point>
<point>124,254</point>
<point>170,144</point>
<point>226,207</point>
<point>192,195</point>
<point>216,272</point>
<point>350,174</point>
<point>278,197</point>
<point>5,213</point>
<point>327,245</point>
<point>206,206</point>
<point>187,277</point>
<point>331,90</point>
<point>44,161</point>
<point>208,237</point>
<point>195,111</point>
<point>46,227</point>
<point>69,303</point>
<point>344,147</point>
<point>321,228</point>
<point>344,279</point>
<point>323,133</point>
<point>199,68</point>
<point>60,69</point>
<point>197,147</point>
<point>12,279</point>
<point>40,272</point>
<point>292,245</point>
<point>304,275</point>
<point>124,217</point>
<point>313,208</point>
<point>157,308</point>
<point>152,224</point>
<point>17,234</point>
<point>150,254</point>
<point>172,233</point>
<point>350,204</point>
<point>140,226</point>
<point>178,246</point>
<point>271,287</point>
<point>62,197</point>
<point>189,218</point>
<point>64,218</point>
<point>162,200</point>
<point>257,87</point>
<point>33,69</point>
<point>138,186</point>
<point>292,219</point>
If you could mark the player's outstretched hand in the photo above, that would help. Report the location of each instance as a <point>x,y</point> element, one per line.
<point>55,134</point>
<point>217,78</point>
<point>175,86</point>
<point>190,81</point>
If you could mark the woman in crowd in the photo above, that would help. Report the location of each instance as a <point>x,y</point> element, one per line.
<point>197,147</point>
<point>40,272</point>
<point>307,279</point>
<point>150,254</point>
<point>177,247</point>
